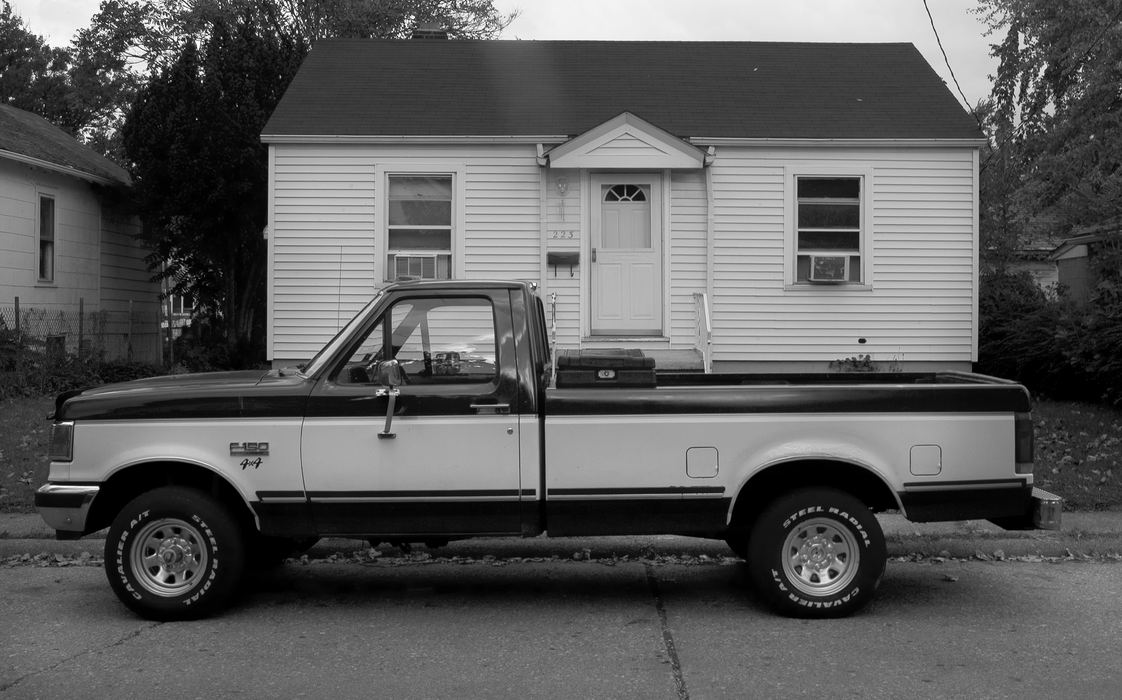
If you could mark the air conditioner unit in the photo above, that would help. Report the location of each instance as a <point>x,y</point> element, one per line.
<point>829,268</point>
<point>421,267</point>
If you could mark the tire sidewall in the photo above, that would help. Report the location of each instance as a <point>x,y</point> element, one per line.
<point>220,537</point>
<point>786,515</point>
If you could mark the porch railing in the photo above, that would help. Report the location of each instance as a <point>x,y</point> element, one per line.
<point>704,342</point>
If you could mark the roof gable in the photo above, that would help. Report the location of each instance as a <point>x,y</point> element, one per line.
<point>626,142</point>
<point>554,90</point>
<point>29,138</point>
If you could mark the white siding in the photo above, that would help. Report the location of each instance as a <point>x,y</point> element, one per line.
<point>77,222</point>
<point>688,253</point>
<point>919,304</point>
<point>326,250</point>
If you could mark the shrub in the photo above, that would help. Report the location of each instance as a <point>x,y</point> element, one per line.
<point>1047,343</point>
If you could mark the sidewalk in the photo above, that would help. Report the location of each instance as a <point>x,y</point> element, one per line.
<point>1083,534</point>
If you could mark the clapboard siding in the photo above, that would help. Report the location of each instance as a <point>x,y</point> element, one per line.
<point>919,305</point>
<point>327,254</point>
<point>688,254</point>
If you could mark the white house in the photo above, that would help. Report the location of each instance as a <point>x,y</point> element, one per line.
<point>806,202</point>
<point>65,245</point>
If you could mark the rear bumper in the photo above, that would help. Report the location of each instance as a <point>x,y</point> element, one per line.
<point>1043,512</point>
<point>1013,508</point>
<point>65,507</point>
<point>1047,510</point>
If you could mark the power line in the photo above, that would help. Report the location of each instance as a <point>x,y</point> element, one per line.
<point>947,61</point>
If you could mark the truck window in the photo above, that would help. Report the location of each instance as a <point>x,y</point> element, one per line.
<point>442,340</point>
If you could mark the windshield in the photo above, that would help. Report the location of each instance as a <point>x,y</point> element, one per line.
<point>316,364</point>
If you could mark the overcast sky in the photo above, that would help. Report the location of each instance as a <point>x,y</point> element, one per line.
<point>696,20</point>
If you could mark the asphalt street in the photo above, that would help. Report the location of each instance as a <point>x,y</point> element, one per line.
<point>422,627</point>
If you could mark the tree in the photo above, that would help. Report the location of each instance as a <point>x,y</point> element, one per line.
<point>200,169</point>
<point>192,136</point>
<point>32,74</point>
<point>1057,108</point>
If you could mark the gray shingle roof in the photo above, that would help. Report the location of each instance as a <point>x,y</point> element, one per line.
<point>30,135</point>
<point>691,89</point>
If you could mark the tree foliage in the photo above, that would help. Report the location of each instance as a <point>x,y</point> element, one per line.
<point>192,136</point>
<point>33,75</point>
<point>1057,109</point>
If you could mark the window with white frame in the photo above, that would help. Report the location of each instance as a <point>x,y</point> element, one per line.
<point>46,238</point>
<point>828,230</point>
<point>419,226</point>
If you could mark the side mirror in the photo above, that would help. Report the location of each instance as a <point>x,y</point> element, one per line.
<point>389,374</point>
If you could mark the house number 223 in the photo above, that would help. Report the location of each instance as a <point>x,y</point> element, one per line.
<point>563,235</point>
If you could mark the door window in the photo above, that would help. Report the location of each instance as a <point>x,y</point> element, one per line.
<point>437,340</point>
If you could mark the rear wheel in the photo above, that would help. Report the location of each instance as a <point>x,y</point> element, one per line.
<point>816,553</point>
<point>174,553</point>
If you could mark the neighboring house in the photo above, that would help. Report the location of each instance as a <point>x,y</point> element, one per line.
<point>1074,258</point>
<point>820,200</point>
<point>65,247</point>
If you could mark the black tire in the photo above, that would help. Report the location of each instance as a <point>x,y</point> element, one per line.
<point>816,552</point>
<point>174,553</point>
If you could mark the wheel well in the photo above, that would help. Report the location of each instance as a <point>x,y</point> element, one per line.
<point>132,481</point>
<point>772,482</point>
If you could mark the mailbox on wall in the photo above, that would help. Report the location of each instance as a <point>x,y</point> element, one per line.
<point>556,259</point>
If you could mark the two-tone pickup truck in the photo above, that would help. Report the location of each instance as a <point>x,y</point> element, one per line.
<point>437,414</point>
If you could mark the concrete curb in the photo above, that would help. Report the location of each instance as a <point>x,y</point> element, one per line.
<point>1094,534</point>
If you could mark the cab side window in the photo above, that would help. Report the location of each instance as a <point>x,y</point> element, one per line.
<point>437,340</point>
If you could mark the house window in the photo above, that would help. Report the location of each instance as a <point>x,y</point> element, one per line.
<point>419,227</point>
<point>46,238</point>
<point>828,230</point>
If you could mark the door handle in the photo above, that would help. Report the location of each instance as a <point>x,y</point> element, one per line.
<point>593,255</point>
<point>496,407</point>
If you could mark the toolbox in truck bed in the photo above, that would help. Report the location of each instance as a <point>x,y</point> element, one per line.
<point>605,367</point>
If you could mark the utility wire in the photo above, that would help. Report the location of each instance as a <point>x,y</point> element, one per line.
<point>947,61</point>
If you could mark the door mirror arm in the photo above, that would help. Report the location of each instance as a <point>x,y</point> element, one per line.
<point>390,375</point>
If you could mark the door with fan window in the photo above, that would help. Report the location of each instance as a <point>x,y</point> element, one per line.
<point>626,253</point>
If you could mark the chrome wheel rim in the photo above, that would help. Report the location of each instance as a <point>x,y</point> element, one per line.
<point>169,557</point>
<point>820,557</point>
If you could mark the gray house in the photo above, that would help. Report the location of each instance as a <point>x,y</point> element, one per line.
<point>65,245</point>
<point>754,206</point>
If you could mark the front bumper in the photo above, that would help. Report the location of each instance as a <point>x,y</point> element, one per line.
<point>65,507</point>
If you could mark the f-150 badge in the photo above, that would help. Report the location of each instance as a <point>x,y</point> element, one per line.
<point>248,449</point>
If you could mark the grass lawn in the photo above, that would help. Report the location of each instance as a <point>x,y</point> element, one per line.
<point>24,432</point>
<point>1078,452</point>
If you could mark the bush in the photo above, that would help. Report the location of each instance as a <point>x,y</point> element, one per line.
<point>26,372</point>
<point>1047,343</point>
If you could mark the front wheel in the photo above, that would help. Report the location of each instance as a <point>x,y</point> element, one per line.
<point>174,553</point>
<point>816,553</point>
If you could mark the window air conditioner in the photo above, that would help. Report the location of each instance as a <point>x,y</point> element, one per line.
<point>829,268</point>
<point>415,267</point>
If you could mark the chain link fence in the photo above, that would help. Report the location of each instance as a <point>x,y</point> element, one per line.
<point>53,338</point>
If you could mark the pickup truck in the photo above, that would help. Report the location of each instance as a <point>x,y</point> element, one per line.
<point>440,412</point>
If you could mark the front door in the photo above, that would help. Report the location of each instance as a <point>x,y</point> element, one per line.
<point>626,279</point>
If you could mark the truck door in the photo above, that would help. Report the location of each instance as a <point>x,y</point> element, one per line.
<point>450,463</point>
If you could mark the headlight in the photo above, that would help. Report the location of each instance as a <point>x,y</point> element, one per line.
<point>62,442</point>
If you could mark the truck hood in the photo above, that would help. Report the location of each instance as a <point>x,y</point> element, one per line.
<point>246,394</point>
